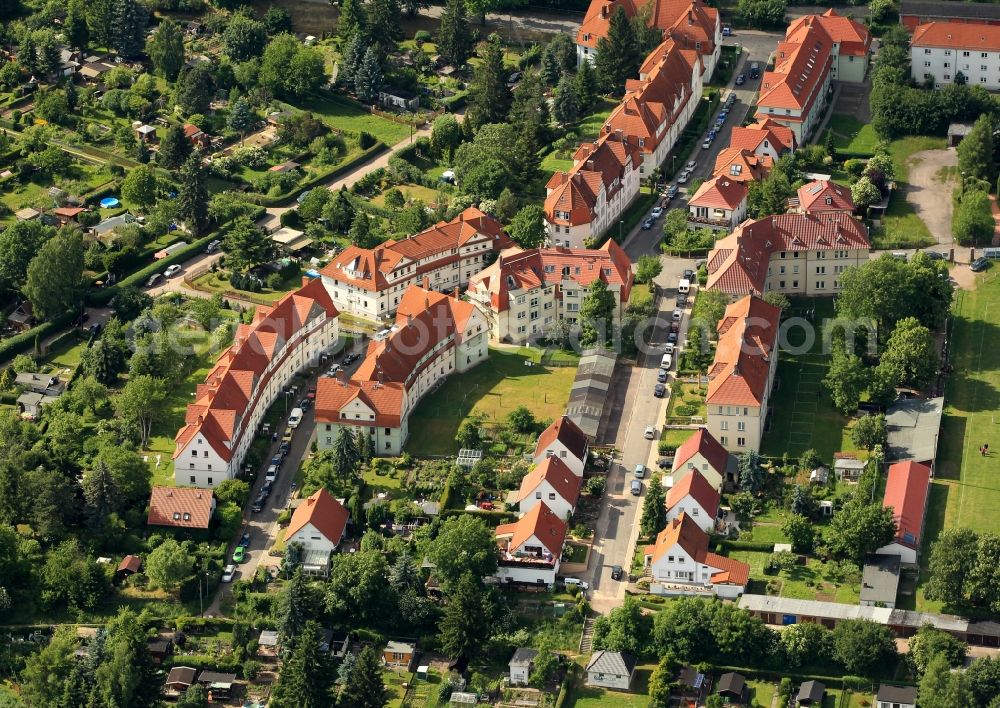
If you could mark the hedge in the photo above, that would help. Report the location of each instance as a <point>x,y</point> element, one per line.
<point>492,518</point>
<point>139,277</point>
<point>323,177</point>
<point>20,343</point>
<point>759,546</point>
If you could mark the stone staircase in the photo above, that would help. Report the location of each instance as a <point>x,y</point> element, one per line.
<point>587,638</point>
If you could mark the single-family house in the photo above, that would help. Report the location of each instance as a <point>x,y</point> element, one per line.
<point>563,439</point>
<point>196,135</point>
<point>847,467</point>
<point>188,508</point>
<point>742,165</point>
<point>37,391</point>
<point>23,316</point>
<point>890,696</point>
<point>680,557</point>
<point>733,687</point>
<point>765,138</point>
<point>694,495</point>
<point>702,452</point>
<point>720,203</point>
<point>399,655</point>
<point>810,693</point>
<point>553,482</point>
<point>822,197</point>
<point>179,680</point>
<point>531,547</point>
<point>318,524</point>
<point>611,669</point>
<point>67,214</point>
<point>398,98</point>
<point>521,665</point>
<point>907,489</point>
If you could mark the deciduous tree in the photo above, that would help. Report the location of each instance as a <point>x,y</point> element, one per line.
<point>140,403</point>
<point>527,229</point>
<point>863,647</point>
<point>975,152</point>
<point>166,49</point>
<point>244,37</point>
<point>463,546</point>
<point>169,564</point>
<point>55,274</point>
<point>139,187</point>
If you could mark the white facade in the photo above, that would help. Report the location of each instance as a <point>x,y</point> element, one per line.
<point>557,449</point>
<point>715,217</point>
<point>545,492</point>
<point>690,506</point>
<point>698,462</point>
<point>387,440</point>
<point>198,463</point>
<point>907,555</point>
<point>811,273</point>
<point>530,571</point>
<point>619,682</point>
<point>980,68</point>
<point>740,428</point>
<point>605,213</point>
<point>312,539</point>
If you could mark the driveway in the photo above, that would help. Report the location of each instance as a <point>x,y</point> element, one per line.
<point>929,195</point>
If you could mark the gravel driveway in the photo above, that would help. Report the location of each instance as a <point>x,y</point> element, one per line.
<point>929,196</point>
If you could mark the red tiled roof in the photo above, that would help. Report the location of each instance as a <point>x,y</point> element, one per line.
<point>906,490</point>
<point>753,136</point>
<point>132,564</point>
<point>568,433</point>
<point>682,19</point>
<point>957,35</point>
<point>700,490</point>
<point>742,165</point>
<point>191,130</point>
<point>519,270</point>
<point>542,523</point>
<point>385,399</point>
<point>748,338</point>
<point>683,531</point>
<point>737,264</point>
<point>853,37</point>
<point>558,475</point>
<point>180,507</point>
<point>707,446</point>
<point>372,268</point>
<point>823,196</point>
<point>322,511</point>
<point>803,62</point>
<point>598,18</point>
<point>597,166</point>
<point>720,193</point>
<point>219,411</point>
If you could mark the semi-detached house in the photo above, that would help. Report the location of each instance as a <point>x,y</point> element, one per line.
<point>551,482</point>
<point>530,548</point>
<point>563,439</point>
<point>370,282</point>
<point>680,557</point>
<point>525,292</point>
<point>765,138</point>
<point>691,25</point>
<point>939,51</point>
<point>219,425</point>
<point>435,336</point>
<point>742,374</point>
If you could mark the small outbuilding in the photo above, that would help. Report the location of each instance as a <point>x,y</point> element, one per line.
<point>399,654</point>
<point>130,565</point>
<point>810,693</point>
<point>521,665</point>
<point>734,687</point>
<point>611,669</point>
<point>890,696</point>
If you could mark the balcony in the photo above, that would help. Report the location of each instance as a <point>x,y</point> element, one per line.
<point>525,560</point>
<point>710,222</point>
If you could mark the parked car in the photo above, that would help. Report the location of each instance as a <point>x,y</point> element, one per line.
<point>582,584</point>
<point>723,114</point>
<point>980,264</point>
<point>934,255</point>
<point>706,144</point>
<point>239,555</point>
<point>675,327</point>
<point>616,572</point>
<point>660,390</point>
<point>665,462</point>
<point>668,348</point>
<point>487,506</point>
<point>171,271</point>
<point>672,191</point>
<point>154,279</point>
<point>754,70</point>
<point>661,375</point>
<point>740,80</point>
<point>656,213</point>
<point>311,392</point>
<point>258,503</point>
<point>213,246</point>
<point>683,177</point>
<point>228,573</point>
<point>332,371</point>
<point>636,487</point>
<point>672,338</point>
<point>272,473</point>
<point>244,540</point>
<point>648,224</point>
<point>682,300</point>
<point>713,133</point>
<point>650,432</point>
<point>285,447</point>
<point>688,274</point>
<point>691,165</point>
<point>678,314</point>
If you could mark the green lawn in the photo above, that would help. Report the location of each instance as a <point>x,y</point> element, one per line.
<point>966,489</point>
<point>213,282</point>
<point>806,582</point>
<point>412,191</point>
<point>590,127</point>
<point>904,148</point>
<point>851,135</point>
<point>494,388</point>
<point>67,355</point>
<point>344,114</point>
<point>591,697</point>
<point>675,436</point>
<point>761,693</point>
<point>901,227</point>
<point>802,415</point>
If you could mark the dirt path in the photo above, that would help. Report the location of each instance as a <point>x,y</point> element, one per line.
<point>929,196</point>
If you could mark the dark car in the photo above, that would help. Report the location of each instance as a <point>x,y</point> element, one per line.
<point>284,447</point>
<point>740,80</point>
<point>674,327</point>
<point>934,255</point>
<point>688,274</point>
<point>258,504</point>
<point>244,540</point>
<point>660,390</point>
<point>682,300</point>
<point>672,338</point>
<point>648,224</point>
<point>980,264</point>
<point>265,491</point>
<point>277,460</point>
<point>616,572</point>
<point>665,462</point>
<point>661,375</point>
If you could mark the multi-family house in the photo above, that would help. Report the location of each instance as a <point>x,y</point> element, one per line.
<point>940,52</point>
<point>795,254</point>
<point>765,138</point>
<point>184,508</point>
<point>563,439</point>
<point>370,282</point>
<point>551,482</point>
<point>742,373</point>
<point>680,556</point>
<point>658,105</point>
<point>703,453</point>
<point>525,292</point>
<point>691,25</point>
<point>822,196</point>
<point>531,547</point>
<point>695,496</point>
<point>248,376</point>
<point>585,201</point>
<point>720,203</point>
<point>435,336</point>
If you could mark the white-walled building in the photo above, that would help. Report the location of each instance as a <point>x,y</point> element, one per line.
<point>563,439</point>
<point>939,51</point>
<point>531,547</point>
<point>318,523</point>
<point>551,482</point>
<point>370,282</point>
<point>247,377</point>
<point>719,204</point>
<point>611,669</point>
<point>765,138</point>
<point>680,556</point>
<point>695,496</point>
<point>525,293</point>
<point>436,335</point>
<point>907,489</point>
<point>703,453</point>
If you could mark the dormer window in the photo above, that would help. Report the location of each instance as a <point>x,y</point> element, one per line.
<point>187,516</point>
<point>735,170</point>
<point>177,516</point>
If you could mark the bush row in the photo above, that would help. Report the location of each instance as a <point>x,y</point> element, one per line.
<point>322,177</point>
<point>20,343</point>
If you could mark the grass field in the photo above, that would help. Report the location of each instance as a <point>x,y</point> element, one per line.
<point>802,415</point>
<point>801,582</point>
<point>344,114</point>
<point>212,282</point>
<point>761,693</point>
<point>411,191</point>
<point>966,488</point>
<point>494,388</point>
<point>901,227</point>
<point>851,135</point>
<point>903,149</point>
<point>592,697</point>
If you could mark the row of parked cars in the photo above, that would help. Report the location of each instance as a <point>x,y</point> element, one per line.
<point>720,121</point>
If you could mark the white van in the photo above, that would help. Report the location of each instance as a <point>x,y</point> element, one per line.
<point>294,418</point>
<point>684,286</point>
<point>666,362</point>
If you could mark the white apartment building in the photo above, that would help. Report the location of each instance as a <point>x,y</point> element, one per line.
<point>940,51</point>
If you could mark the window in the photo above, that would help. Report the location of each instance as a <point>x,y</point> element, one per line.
<point>947,52</point>
<point>982,79</point>
<point>820,270</point>
<point>947,65</point>
<point>194,453</point>
<point>741,442</point>
<point>947,77</point>
<point>741,426</point>
<point>795,283</point>
<point>781,270</point>
<point>388,431</point>
<point>670,559</point>
<point>694,511</point>
<point>724,441</point>
<point>820,284</point>
<point>795,269</point>
<point>781,283</point>
<point>724,425</point>
<point>192,479</point>
<point>552,496</point>
<point>982,55</point>
<point>538,495</point>
<point>209,480</point>
<point>927,63</point>
<point>982,67</point>
<point>965,54</point>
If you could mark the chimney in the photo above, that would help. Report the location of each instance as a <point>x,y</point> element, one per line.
<point>736,369</point>
<point>690,17</point>
<point>604,11</point>
<point>409,320</point>
<point>342,375</point>
<point>455,293</point>
<point>427,303</point>
<point>427,283</point>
